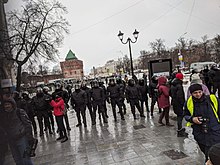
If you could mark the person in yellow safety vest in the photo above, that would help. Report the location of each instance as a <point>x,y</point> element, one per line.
<point>202,114</point>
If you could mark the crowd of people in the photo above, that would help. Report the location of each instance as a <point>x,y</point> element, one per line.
<point>200,108</point>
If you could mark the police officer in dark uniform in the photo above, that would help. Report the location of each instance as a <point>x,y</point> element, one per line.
<point>101,84</point>
<point>28,107</point>
<point>114,94</point>
<point>133,96</point>
<point>153,93</point>
<point>78,102</point>
<point>50,108</point>
<point>122,85</point>
<point>143,89</point>
<point>65,96</point>
<point>97,98</point>
<point>41,105</point>
<point>88,104</point>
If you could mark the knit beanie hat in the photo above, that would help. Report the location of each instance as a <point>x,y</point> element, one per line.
<point>195,79</point>
<point>179,76</point>
<point>214,154</point>
<point>195,87</point>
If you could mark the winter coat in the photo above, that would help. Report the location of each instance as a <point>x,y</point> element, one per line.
<point>132,93</point>
<point>16,124</point>
<point>143,89</point>
<point>163,90</point>
<point>79,98</point>
<point>202,108</point>
<point>58,106</point>
<point>114,91</point>
<point>40,102</point>
<point>178,96</point>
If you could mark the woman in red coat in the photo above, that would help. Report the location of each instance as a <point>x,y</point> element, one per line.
<point>164,100</point>
<point>58,111</point>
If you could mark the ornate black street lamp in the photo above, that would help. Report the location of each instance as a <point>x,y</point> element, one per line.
<point>129,41</point>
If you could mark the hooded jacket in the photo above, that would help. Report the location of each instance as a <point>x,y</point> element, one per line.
<point>163,90</point>
<point>178,96</point>
<point>16,123</point>
<point>58,106</point>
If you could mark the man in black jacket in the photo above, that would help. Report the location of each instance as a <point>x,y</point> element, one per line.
<point>178,100</point>
<point>17,126</point>
<point>78,102</point>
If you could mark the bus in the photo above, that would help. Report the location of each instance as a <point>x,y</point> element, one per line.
<point>201,65</point>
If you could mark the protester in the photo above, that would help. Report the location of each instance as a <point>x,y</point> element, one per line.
<point>18,131</point>
<point>196,80</point>
<point>178,100</point>
<point>202,113</point>
<point>163,100</point>
<point>58,110</point>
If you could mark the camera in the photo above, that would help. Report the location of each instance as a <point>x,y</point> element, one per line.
<point>204,124</point>
<point>30,150</point>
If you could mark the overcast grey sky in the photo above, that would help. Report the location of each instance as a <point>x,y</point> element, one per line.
<point>96,23</point>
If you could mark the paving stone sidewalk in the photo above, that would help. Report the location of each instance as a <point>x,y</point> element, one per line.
<point>127,142</point>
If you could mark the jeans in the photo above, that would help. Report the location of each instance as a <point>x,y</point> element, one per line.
<point>18,148</point>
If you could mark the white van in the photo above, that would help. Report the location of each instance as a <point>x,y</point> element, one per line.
<point>201,65</point>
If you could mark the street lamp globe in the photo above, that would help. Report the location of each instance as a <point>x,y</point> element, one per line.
<point>120,35</point>
<point>135,34</point>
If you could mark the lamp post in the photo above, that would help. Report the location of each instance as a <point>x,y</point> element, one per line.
<point>129,41</point>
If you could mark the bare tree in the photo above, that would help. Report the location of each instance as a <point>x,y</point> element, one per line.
<point>158,47</point>
<point>36,32</point>
<point>217,46</point>
<point>206,49</point>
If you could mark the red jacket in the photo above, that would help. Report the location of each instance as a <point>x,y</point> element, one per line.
<point>58,106</point>
<point>163,90</point>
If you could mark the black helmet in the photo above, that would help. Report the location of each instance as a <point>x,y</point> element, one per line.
<point>83,84</point>
<point>141,81</point>
<point>131,82</point>
<point>58,86</point>
<point>95,83</point>
<point>119,81</point>
<point>112,81</point>
<point>46,89</point>
<point>39,90</point>
<point>25,94</point>
<point>77,87</point>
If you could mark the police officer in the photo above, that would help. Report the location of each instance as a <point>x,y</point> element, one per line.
<point>65,96</point>
<point>143,89</point>
<point>153,94</point>
<point>114,94</point>
<point>78,102</point>
<point>41,105</point>
<point>101,84</point>
<point>122,86</point>
<point>50,108</point>
<point>133,96</point>
<point>88,104</point>
<point>28,107</point>
<point>97,98</point>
